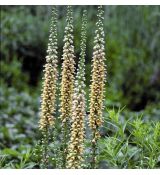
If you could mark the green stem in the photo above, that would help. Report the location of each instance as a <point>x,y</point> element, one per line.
<point>94,151</point>
<point>45,139</point>
<point>64,144</point>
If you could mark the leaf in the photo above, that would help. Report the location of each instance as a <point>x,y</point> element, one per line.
<point>11,152</point>
<point>30,165</point>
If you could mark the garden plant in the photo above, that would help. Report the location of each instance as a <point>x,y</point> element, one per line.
<point>93,112</point>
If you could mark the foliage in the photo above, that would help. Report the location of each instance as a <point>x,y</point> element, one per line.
<point>18,25</point>
<point>11,74</point>
<point>129,137</point>
<point>129,144</point>
<point>132,50</point>
<point>18,138</point>
<point>19,117</point>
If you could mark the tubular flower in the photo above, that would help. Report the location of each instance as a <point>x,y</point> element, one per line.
<point>67,83</point>
<point>48,96</point>
<point>98,80</point>
<point>75,148</point>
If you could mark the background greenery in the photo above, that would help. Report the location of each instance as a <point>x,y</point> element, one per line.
<point>133,81</point>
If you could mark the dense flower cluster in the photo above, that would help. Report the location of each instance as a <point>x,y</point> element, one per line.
<point>67,83</point>
<point>48,96</point>
<point>76,148</point>
<point>70,150</point>
<point>68,69</point>
<point>98,76</point>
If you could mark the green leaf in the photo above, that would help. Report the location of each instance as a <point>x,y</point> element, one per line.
<point>11,152</point>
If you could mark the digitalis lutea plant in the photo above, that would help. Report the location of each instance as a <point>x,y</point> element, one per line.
<point>67,83</point>
<point>76,147</point>
<point>48,96</point>
<point>97,85</point>
<point>72,106</point>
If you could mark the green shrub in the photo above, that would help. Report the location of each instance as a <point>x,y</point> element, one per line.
<point>129,144</point>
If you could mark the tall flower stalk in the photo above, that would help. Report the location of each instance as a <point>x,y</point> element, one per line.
<point>76,147</point>
<point>97,85</point>
<point>48,96</point>
<point>67,83</point>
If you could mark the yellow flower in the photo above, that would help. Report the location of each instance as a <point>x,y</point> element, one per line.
<point>68,69</point>
<point>48,96</point>
<point>97,85</point>
<point>98,77</point>
<point>76,148</point>
<point>67,83</point>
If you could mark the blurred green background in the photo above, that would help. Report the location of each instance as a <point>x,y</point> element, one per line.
<point>132,59</point>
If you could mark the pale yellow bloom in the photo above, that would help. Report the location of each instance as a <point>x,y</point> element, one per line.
<point>48,96</point>
<point>68,69</point>
<point>67,83</point>
<point>76,147</point>
<point>98,78</point>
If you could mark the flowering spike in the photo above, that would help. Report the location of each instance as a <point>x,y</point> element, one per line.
<point>67,84</point>
<point>75,149</point>
<point>48,96</point>
<point>97,82</point>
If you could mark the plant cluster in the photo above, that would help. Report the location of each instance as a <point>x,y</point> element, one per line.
<point>72,94</point>
<point>129,144</point>
<point>127,140</point>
